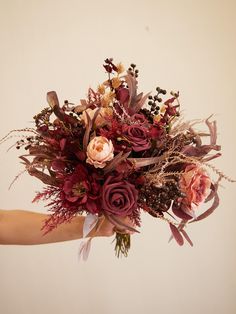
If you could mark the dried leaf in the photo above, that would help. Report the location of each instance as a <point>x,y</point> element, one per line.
<point>95,116</point>
<point>199,151</point>
<point>139,104</point>
<point>87,132</point>
<point>89,126</point>
<point>53,102</point>
<point>211,157</point>
<point>139,97</point>
<point>142,162</point>
<point>197,137</point>
<point>80,108</point>
<point>212,129</point>
<point>45,178</point>
<point>115,161</point>
<point>132,85</point>
<point>26,161</point>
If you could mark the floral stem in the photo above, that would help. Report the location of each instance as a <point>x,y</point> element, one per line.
<point>122,244</point>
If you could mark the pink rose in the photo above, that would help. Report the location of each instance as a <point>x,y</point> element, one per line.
<point>99,151</point>
<point>138,136</point>
<point>119,197</point>
<point>195,184</point>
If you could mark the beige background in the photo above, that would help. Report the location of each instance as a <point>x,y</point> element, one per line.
<point>60,45</point>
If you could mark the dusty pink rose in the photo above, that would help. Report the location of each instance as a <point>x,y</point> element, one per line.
<point>195,184</point>
<point>99,151</point>
<point>102,118</point>
<point>138,136</point>
<point>119,197</point>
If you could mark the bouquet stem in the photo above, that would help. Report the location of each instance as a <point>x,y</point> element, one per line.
<point>122,244</point>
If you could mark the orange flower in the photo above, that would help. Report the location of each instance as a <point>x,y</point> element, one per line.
<point>120,68</point>
<point>107,99</point>
<point>115,82</point>
<point>101,89</point>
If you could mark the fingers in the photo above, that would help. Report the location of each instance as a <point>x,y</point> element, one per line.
<point>106,228</point>
<point>121,230</point>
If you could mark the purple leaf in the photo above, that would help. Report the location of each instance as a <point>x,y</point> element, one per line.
<point>186,236</point>
<point>214,188</point>
<point>210,210</point>
<point>200,151</point>
<point>176,234</point>
<point>179,213</point>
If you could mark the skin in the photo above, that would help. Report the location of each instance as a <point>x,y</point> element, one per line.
<point>21,227</point>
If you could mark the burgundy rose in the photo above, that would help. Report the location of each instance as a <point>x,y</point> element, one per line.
<point>140,118</point>
<point>138,136</point>
<point>119,197</point>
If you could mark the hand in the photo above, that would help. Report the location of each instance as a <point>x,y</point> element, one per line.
<point>107,229</point>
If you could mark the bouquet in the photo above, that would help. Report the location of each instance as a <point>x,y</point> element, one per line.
<point>119,153</point>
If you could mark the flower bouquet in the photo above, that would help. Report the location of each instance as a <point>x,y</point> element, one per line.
<point>118,153</point>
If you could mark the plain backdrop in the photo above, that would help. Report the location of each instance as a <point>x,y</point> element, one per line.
<point>188,46</point>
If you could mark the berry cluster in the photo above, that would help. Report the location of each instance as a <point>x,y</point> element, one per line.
<point>155,100</point>
<point>132,70</point>
<point>159,198</point>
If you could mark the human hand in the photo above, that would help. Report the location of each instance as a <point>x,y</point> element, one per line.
<point>106,228</point>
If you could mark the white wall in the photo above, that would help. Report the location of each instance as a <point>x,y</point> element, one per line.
<point>60,45</point>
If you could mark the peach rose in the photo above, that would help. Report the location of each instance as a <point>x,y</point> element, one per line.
<point>195,184</point>
<point>102,117</point>
<point>99,151</point>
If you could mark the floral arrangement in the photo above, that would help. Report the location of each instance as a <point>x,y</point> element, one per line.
<point>118,153</point>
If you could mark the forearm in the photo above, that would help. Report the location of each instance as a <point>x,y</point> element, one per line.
<point>24,227</point>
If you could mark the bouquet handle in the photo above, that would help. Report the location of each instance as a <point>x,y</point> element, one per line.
<point>123,243</point>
